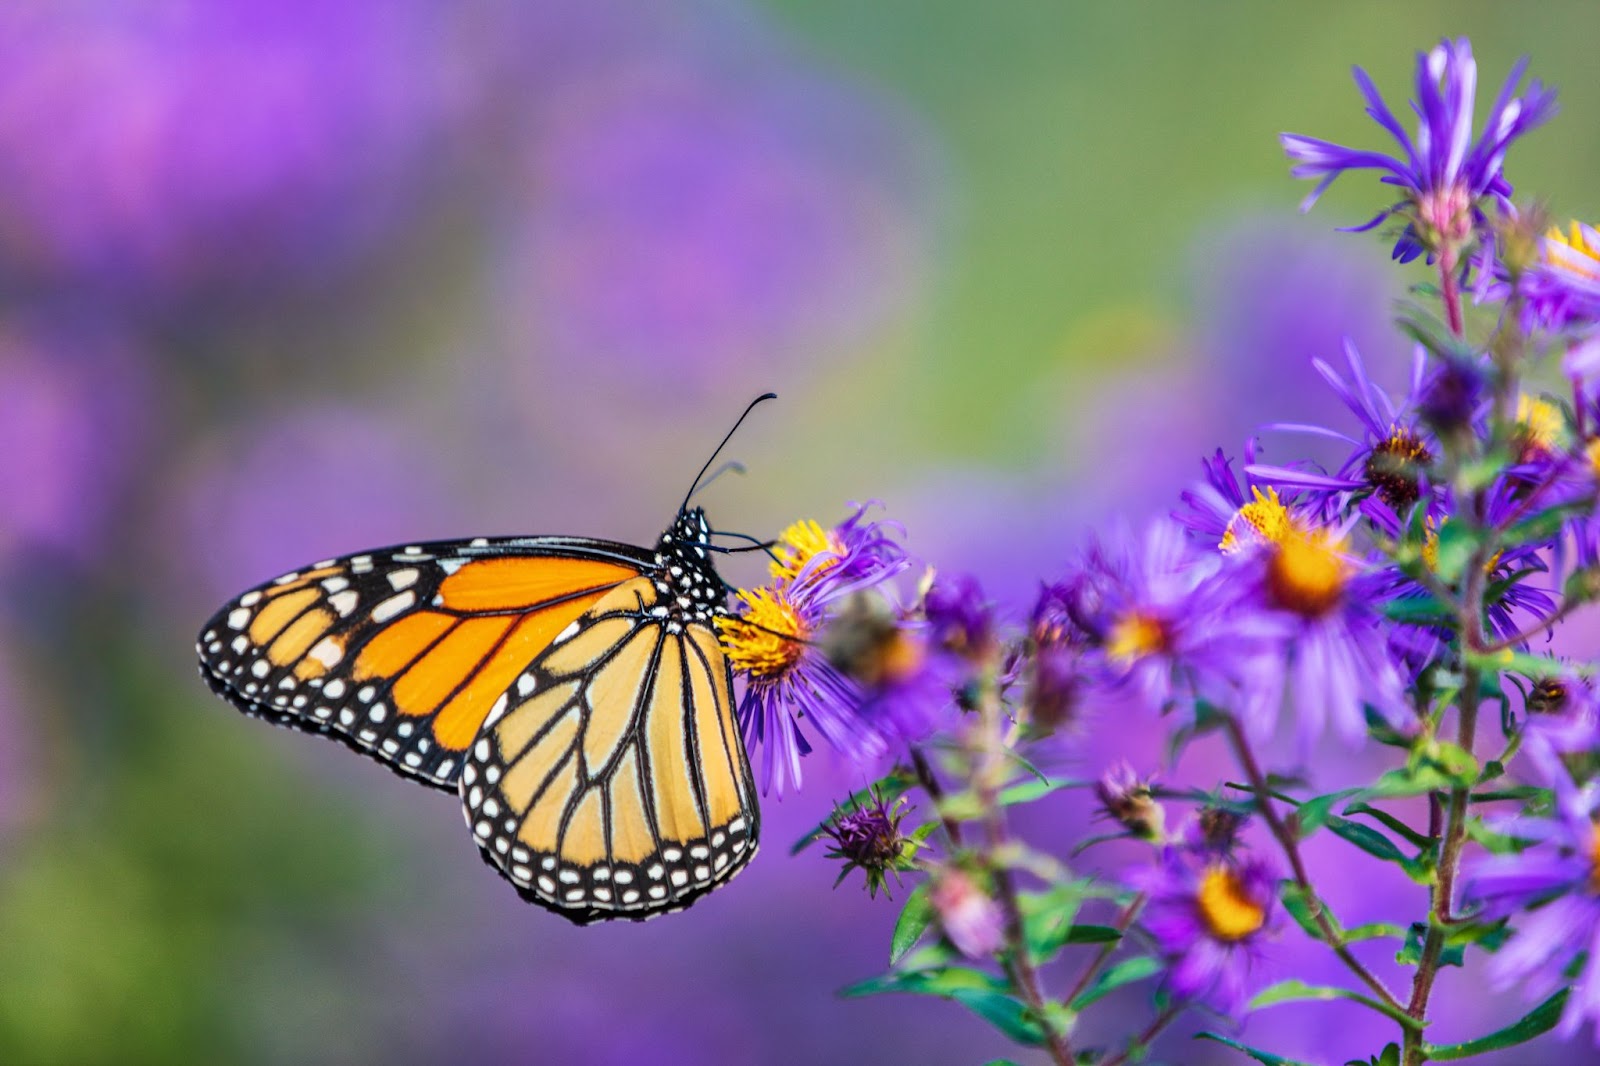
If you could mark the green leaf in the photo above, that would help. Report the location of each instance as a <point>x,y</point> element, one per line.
<point>1410,954</point>
<point>983,994</point>
<point>1299,908</point>
<point>1093,934</point>
<point>1125,972</point>
<point>914,919</point>
<point>943,981</point>
<point>1295,991</point>
<point>1047,918</point>
<point>1028,791</point>
<point>1266,1058</point>
<point>891,786</point>
<point>1541,526</point>
<point>1367,839</point>
<point>1421,840</point>
<point>1457,541</point>
<point>1313,813</point>
<point>1412,781</point>
<point>1456,762</point>
<point>1006,1013</point>
<point>1516,792</point>
<point>1421,610</point>
<point>1373,931</point>
<point>1536,1022</point>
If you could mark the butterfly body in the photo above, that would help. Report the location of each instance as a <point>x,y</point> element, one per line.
<point>572,691</point>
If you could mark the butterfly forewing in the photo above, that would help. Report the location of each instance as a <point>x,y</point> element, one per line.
<point>613,782</point>
<point>402,653</point>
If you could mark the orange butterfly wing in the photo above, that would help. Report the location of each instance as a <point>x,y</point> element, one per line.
<point>402,653</point>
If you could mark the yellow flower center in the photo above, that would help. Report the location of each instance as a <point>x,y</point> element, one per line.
<point>1592,452</point>
<point>801,543</point>
<point>767,638</point>
<point>1594,863</point>
<point>1134,636</point>
<point>1540,424</point>
<point>1226,907</point>
<point>1306,574</point>
<point>1572,252</point>
<point>1264,520</point>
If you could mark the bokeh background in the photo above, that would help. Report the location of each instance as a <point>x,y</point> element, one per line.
<point>281,279</point>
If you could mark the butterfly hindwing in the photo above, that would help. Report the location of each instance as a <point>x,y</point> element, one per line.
<point>613,783</point>
<point>403,652</point>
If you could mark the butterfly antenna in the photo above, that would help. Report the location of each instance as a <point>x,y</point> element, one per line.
<point>753,404</point>
<point>754,545</point>
<point>732,466</point>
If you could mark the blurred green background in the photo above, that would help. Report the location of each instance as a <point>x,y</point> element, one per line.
<point>285,280</point>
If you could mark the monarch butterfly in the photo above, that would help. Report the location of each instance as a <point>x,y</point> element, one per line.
<point>571,691</point>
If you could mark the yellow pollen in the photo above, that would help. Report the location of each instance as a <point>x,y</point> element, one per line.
<point>1592,451</point>
<point>1541,423</point>
<point>1594,863</point>
<point>801,543</point>
<point>1226,908</point>
<point>768,638</point>
<point>1264,520</point>
<point>1572,252</point>
<point>1306,574</point>
<point>1134,636</point>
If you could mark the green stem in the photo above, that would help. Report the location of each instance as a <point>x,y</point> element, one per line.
<point>1289,842</point>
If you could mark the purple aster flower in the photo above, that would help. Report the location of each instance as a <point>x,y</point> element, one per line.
<point>1310,617</point>
<point>75,410</point>
<point>1209,919</point>
<point>771,642</point>
<point>822,643</point>
<point>970,918</point>
<point>960,619</point>
<point>1388,467</point>
<point>1154,615</point>
<point>1226,514</point>
<point>1445,174</point>
<point>1557,883</point>
<point>857,553</point>
<point>1562,287</point>
<point>153,147</point>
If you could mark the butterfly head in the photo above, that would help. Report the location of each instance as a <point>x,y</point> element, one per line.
<point>683,554</point>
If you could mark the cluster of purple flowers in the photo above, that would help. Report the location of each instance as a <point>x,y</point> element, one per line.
<point>1384,592</point>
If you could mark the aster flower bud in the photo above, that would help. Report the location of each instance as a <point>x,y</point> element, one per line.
<point>971,920</point>
<point>1214,831</point>
<point>1451,395</point>
<point>1127,800</point>
<point>867,837</point>
<point>960,620</point>
<point>1055,619</point>
<point>1055,688</point>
